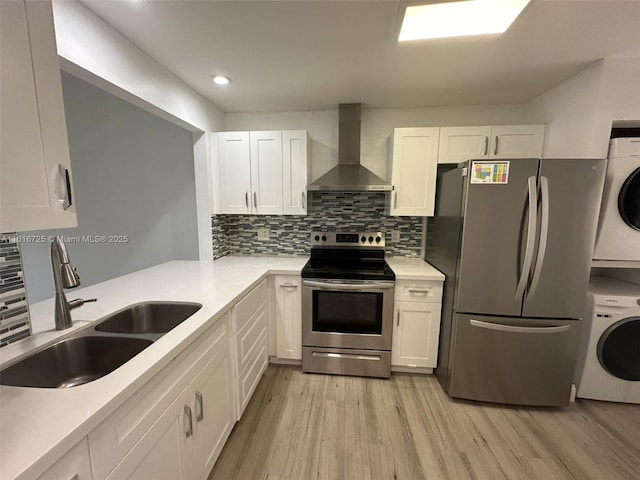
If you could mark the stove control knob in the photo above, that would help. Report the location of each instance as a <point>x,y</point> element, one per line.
<point>324,238</point>
<point>370,239</point>
<point>363,239</point>
<point>378,239</point>
<point>317,237</point>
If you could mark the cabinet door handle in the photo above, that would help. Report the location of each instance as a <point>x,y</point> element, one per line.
<point>304,201</point>
<point>199,408</point>
<point>288,285</point>
<point>188,421</point>
<point>395,199</point>
<point>246,199</point>
<point>495,147</point>
<point>418,291</point>
<point>486,145</point>
<point>398,321</point>
<point>63,187</point>
<point>255,199</point>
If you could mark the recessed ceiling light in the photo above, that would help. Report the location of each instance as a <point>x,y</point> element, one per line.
<point>221,80</point>
<point>459,18</point>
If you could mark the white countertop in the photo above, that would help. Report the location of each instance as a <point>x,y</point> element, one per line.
<point>413,269</point>
<point>39,425</point>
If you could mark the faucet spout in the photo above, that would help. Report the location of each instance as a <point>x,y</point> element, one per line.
<point>64,276</point>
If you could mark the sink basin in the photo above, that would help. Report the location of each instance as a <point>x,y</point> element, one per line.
<point>73,362</point>
<point>148,317</point>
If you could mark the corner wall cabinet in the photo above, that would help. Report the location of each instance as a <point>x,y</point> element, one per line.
<point>288,316</point>
<point>413,171</point>
<point>458,144</point>
<point>416,326</point>
<point>261,173</point>
<point>250,166</point>
<point>36,188</point>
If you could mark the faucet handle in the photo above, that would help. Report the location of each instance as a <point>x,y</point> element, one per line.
<point>78,302</point>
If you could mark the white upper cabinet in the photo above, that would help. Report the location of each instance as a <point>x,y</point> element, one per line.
<point>261,173</point>
<point>234,158</point>
<point>35,171</point>
<point>295,171</point>
<point>250,170</point>
<point>517,141</point>
<point>266,172</point>
<point>413,169</point>
<point>458,144</point>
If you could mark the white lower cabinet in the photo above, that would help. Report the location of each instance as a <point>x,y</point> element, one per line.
<point>249,340</point>
<point>166,449</point>
<point>288,316</point>
<point>212,394</point>
<point>416,327</point>
<point>74,465</point>
<point>175,426</point>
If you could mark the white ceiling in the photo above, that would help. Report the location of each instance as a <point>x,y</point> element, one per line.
<point>314,54</point>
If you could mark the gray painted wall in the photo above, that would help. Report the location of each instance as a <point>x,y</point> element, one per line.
<point>133,176</point>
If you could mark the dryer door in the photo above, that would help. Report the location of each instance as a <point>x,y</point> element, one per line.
<point>629,200</point>
<point>619,349</point>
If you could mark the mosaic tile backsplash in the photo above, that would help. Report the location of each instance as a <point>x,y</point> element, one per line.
<point>14,310</point>
<point>289,235</point>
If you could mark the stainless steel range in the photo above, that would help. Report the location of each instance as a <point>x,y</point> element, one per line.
<point>347,305</point>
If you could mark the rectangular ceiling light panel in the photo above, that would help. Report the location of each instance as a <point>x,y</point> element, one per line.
<point>459,18</point>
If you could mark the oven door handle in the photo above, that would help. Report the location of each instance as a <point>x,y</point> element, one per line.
<point>333,285</point>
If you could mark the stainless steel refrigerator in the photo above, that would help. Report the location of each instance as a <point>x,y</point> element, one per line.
<point>515,240</point>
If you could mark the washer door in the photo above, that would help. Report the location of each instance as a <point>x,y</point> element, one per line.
<point>619,349</point>
<point>629,200</point>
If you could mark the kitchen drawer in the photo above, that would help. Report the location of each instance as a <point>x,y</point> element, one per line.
<point>119,433</point>
<point>250,303</point>
<point>74,465</point>
<point>249,378</point>
<point>418,291</point>
<point>249,336</point>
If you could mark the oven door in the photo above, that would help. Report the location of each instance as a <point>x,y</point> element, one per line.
<point>347,314</point>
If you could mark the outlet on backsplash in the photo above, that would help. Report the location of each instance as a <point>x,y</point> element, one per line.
<point>395,236</point>
<point>263,234</point>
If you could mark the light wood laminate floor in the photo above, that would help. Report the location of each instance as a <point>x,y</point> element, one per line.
<point>303,426</point>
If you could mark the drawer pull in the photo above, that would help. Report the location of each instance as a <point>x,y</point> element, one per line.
<point>288,285</point>
<point>416,291</point>
<point>199,408</point>
<point>188,421</point>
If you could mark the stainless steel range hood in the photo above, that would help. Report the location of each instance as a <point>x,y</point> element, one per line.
<point>349,175</point>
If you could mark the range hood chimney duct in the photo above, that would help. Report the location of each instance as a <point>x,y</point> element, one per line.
<point>349,175</point>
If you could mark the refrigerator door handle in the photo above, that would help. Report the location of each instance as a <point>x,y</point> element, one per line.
<point>531,238</point>
<point>544,232</point>
<point>516,329</point>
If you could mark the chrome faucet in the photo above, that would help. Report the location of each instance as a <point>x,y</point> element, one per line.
<point>64,276</point>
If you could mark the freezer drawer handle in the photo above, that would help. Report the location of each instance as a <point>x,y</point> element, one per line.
<point>515,329</point>
<point>544,233</point>
<point>531,238</point>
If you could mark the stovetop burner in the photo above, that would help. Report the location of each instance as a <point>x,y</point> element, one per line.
<point>347,255</point>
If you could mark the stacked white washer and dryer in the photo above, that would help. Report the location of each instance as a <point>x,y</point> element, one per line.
<point>608,366</point>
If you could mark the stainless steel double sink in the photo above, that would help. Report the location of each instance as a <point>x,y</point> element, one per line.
<point>100,349</point>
